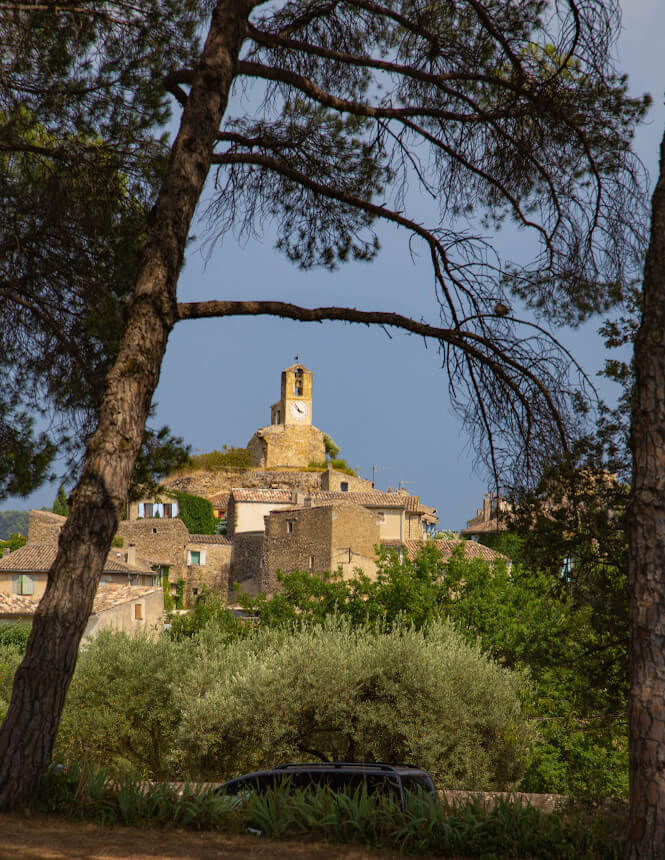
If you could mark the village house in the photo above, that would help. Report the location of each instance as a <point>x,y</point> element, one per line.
<point>127,608</point>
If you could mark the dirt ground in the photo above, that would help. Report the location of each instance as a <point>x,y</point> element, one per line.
<point>49,837</point>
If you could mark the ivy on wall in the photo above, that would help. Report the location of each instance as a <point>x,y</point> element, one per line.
<point>196,513</point>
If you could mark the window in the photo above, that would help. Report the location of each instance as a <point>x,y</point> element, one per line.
<point>168,511</point>
<point>344,486</point>
<point>298,384</point>
<point>289,527</point>
<point>154,531</point>
<point>147,507</point>
<point>381,517</point>
<point>24,584</point>
<point>311,562</point>
<point>194,557</point>
<point>138,612</point>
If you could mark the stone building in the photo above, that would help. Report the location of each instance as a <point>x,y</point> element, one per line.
<point>25,571</point>
<point>132,609</point>
<point>329,536</point>
<point>489,520</point>
<point>291,439</point>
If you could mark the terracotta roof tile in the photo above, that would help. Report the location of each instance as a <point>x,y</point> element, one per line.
<point>38,557</point>
<point>219,500</point>
<point>472,550</point>
<point>261,495</point>
<point>371,499</point>
<point>218,539</point>
<point>107,597</point>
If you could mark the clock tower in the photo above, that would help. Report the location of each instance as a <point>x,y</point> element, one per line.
<point>295,404</point>
<point>291,440</point>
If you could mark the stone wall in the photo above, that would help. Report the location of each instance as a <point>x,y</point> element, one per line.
<point>206,484</point>
<point>246,560</point>
<point>290,445</point>
<point>161,541</point>
<point>44,526</point>
<point>214,574</point>
<point>319,538</point>
<point>332,480</point>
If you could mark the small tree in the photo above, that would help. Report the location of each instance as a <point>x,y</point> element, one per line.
<point>60,505</point>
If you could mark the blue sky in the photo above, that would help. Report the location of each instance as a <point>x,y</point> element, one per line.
<point>383,400</point>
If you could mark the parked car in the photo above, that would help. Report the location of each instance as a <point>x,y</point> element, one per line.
<point>337,776</point>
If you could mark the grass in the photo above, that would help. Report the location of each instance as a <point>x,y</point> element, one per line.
<point>468,828</point>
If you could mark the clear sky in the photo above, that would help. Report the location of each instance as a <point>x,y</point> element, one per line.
<point>383,400</point>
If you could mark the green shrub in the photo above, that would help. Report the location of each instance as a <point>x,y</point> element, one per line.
<point>10,657</point>
<point>426,826</point>
<point>196,513</point>
<point>227,458</point>
<point>209,608</point>
<point>120,711</point>
<point>15,634</point>
<point>343,693</point>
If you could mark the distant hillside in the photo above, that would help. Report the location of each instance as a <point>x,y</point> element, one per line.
<point>11,522</point>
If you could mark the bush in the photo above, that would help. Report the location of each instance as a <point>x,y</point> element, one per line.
<point>426,826</point>
<point>338,693</point>
<point>227,458</point>
<point>10,657</point>
<point>120,712</point>
<point>15,634</point>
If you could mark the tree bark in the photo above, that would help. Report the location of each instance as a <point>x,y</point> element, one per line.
<point>646,559</point>
<point>42,679</point>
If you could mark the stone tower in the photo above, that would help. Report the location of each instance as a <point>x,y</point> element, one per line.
<point>291,440</point>
<point>295,403</point>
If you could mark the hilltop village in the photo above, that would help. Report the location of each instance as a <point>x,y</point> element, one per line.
<point>281,513</point>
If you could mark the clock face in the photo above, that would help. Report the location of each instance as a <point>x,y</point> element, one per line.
<point>299,410</point>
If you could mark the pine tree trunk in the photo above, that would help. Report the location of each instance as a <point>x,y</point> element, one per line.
<point>41,682</point>
<point>646,538</point>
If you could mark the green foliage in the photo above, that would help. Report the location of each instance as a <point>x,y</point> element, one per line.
<point>11,655</point>
<point>332,450</point>
<point>524,619</point>
<point>117,541</point>
<point>426,826</point>
<point>209,608</point>
<point>179,594</point>
<point>160,454</point>
<point>60,505</point>
<point>335,692</point>
<point>120,711</point>
<point>15,634</point>
<point>16,541</point>
<point>227,458</point>
<point>196,513</point>
<point>169,604</point>
<point>338,464</point>
<point>12,522</point>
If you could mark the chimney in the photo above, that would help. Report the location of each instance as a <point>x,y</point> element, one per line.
<point>131,555</point>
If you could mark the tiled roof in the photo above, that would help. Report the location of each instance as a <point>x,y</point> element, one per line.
<point>107,597</point>
<point>484,527</point>
<point>38,557</point>
<point>16,604</point>
<point>110,596</point>
<point>262,495</point>
<point>50,515</point>
<point>219,539</point>
<point>472,550</point>
<point>372,499</point>
<point>219,500</point>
